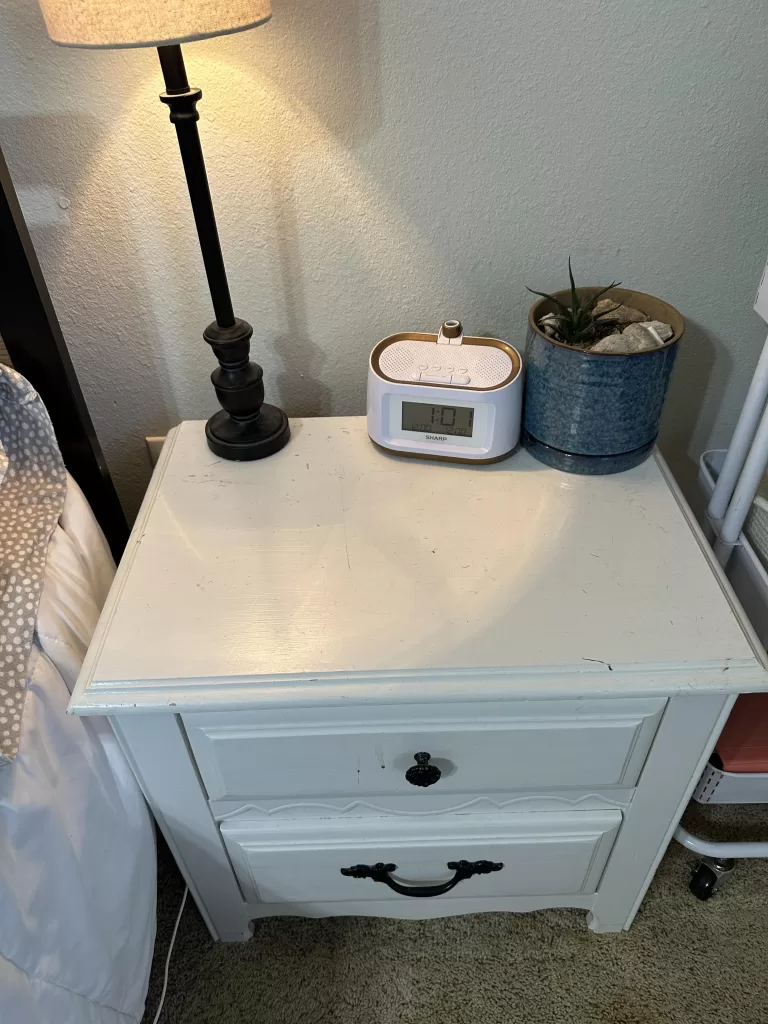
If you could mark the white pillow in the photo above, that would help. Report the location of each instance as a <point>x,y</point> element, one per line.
<point>78,574</point>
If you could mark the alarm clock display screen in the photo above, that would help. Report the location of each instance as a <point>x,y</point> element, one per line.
<point>438,419</point>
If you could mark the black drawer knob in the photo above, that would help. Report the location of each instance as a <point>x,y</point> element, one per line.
<point>423,773</point>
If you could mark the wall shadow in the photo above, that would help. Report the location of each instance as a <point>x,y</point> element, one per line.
<point>302,358</point>
<point>87,290</point>
<point>324,55</point>
<point>699,382</point>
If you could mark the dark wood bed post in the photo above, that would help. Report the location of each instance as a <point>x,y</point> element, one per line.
<point>32,335</point>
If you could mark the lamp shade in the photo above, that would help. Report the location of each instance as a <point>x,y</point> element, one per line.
<point>115,23</point>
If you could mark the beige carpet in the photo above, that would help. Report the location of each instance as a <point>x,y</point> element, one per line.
<point>683,962</point>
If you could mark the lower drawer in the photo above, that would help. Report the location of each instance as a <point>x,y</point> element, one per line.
<point>302,861</point>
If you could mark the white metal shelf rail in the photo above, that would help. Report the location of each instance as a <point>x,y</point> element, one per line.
<point>737,484</point>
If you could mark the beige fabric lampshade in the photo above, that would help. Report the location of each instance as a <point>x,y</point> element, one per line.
<point>148,22</point>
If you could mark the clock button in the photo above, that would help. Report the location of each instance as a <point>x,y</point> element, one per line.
<point>435,378</point>
<point>435,369</point>
<point>456,379</point>
<point>461,369</point>
<point>449,369</point>
<point>423,366</point>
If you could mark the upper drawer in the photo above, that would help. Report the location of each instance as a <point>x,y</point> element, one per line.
<point>484,748</point>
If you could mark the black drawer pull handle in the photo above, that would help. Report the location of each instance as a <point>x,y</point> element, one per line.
<point>423,773</point>
<point>382,873</point>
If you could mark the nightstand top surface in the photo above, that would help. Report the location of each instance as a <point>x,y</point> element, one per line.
<point>334,563</point>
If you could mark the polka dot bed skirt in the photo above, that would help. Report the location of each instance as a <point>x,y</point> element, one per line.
<point>33,484</point>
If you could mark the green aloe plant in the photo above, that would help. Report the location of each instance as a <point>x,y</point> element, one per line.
<point>576,324</point>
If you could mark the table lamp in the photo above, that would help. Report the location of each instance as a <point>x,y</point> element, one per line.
<point>245,428</point>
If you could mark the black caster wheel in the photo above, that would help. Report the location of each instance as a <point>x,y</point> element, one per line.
<point>703,882</point>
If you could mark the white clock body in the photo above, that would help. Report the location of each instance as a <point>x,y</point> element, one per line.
<point>458,399</point>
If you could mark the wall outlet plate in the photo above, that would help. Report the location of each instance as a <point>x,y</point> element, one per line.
<point>154,447</point>
<point>761,302</point>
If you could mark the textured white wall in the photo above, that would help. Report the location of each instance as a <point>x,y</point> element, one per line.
<point>380,164</point>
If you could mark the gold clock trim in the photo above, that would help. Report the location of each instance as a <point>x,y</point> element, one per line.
<point>418,336</point>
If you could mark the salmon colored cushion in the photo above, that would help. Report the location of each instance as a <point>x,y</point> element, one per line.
<point>743,743</point>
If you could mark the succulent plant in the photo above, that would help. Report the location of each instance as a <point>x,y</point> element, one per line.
<point>576,324</point>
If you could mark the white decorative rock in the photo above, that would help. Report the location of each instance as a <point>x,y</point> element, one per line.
<point>623,315</point>
<point>604,306</point>
<point>615,343</point>
<point>642,336</point>
<point>548,324</point>
<point>634,338</point>
<point>664,331</point>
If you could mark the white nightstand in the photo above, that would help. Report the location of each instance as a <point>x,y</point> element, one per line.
<point>284,637</point>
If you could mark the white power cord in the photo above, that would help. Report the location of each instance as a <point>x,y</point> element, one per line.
<point>168,956</point>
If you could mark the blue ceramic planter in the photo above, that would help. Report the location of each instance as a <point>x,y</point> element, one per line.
<point>596,413</point>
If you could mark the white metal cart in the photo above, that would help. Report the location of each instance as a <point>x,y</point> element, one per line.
<point>730,481</point>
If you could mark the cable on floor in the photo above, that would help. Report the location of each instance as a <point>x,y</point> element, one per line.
<point>168,955</point>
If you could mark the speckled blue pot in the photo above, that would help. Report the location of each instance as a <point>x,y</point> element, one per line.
<point>596,413</point>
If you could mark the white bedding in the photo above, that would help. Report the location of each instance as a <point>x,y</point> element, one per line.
<point>77,854</point>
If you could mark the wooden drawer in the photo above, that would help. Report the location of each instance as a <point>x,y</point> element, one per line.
<point>479,748</point>
<point>301,862</point>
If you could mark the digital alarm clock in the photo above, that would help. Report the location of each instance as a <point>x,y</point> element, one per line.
<point>445,396</point>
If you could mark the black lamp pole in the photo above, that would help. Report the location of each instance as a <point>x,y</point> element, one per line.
<point>245,428</point>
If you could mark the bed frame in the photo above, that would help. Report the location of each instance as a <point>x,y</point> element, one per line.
<point>32,336</point>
